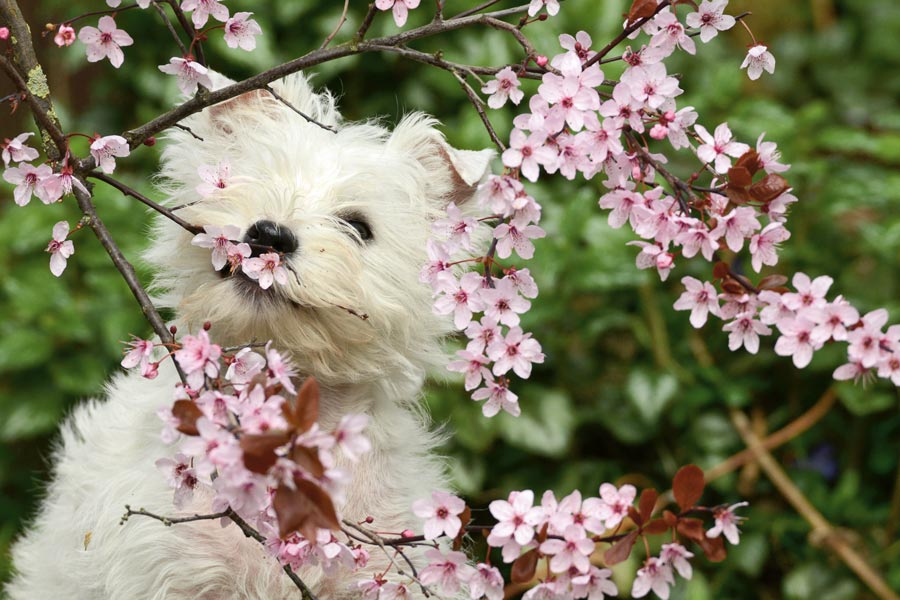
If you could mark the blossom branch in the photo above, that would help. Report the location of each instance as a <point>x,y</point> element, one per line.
<point>624,34</point>
<point>128,191</point>
<point>168,24</point>
<point>378,541</point>
<point>188,29</point>
<point>478,104</point>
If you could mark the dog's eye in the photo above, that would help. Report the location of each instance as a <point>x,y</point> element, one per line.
<point>361,227</point>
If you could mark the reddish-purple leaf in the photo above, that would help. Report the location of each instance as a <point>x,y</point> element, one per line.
<point>187,414</point>
<point>641,9</point>
<point>721,270</point>
<point>687,486</point>
<point>635,516</point>
<point>655,527</point>
<point>465,517</point>
<point>771,282</point>
<point>304,411</point>
<point>749,160</point>
<point>691,529</point>
<point>308,459</point>
<point>259,449</point>
<point>646,504</point>
<point>305,509</point>
<point>768,188</point>
<point>714,548</point>
<point>739,177</point>
<point>620,551</point>
<point>524,567</point>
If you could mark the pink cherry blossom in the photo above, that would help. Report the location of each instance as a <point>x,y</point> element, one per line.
<point>503,303</point>
<point>461,298</point>
<point>710,18</point>
<point>498,398</point>
<point>349,438</point>
<point>280,369</point>
<point>190,74</point>
<point>55,186</point>
<point>737,225</point>
<point>517,235</point>
<point>698,239</point>
<point>594,585</point>
<point>655,575</point>
<point>105,42</point>
<point>499,194</point>
<point>573,550</point>
<point>506,85</point>
<point>15,149</point>
<point>745,331</point>
<point>758,59</point>
<point>219,240</point>
<point>580,45</point>
<point>718,147</point>
<point>179,475</point>
<point>237,254</point>
<point>481,334</point>
<point>245,366</point>
<point>527,153</point>
<point>769,155</point>
<point>446,572</point>
<point>516,519</point>
<point>26,178</point>
<point>486,582</point>
<point>614,503</point>
<point>65,36</point>
<point>833,319</point>
<point>400,9</point>
<point>241,31</point>
<point>536,5</point>
<point>726,523</point>
<point>650,85</point>
<point>438,262</point>
<point>653,256</point>
<point>140,353</point>
<point>764,245</point>
<point>266,269</point>
<point>517,351</point>
<point>671,34</point>
<point>810,294</point>
<point>522,280</point>
<point>105,149</point>
<point>199,357</point>
<point>441,514</point>
<point>700,298</point>
<point>473,365</point>
<point>796,341</point>
<point>60,248</point>
<point>676,556</point>
<point>203,9</point>
<point>214,178</point>
<point>865,341</point>
<point>457,228</point>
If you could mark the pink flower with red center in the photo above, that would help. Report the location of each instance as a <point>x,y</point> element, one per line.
<point>106,149</point>
<point>55,186</point>
<point>279,369</point>
<point>698,239</point>
<point>441,514</point>
<point>203,9</point>
<point>852,370</point>
<point>718,147</point>
<point>768,156</point>
<point>651,85</point>
<point>796,340</point>
<point>179,475</point>
<point>526,153</point>
<point>140,353</point>
<point>623,108</point>
<point>499,193</point>
<point>573,550</point>
<point>654,256</point>
<point>503,303</point>
<point>219,240</point>
<point>481,334</point>
<point>622,202</point>
<point>26,179</point>
<point>506,85</point>
<point>758,59</point>
<point>214,178</point>
<point>676,556</point>
<point>764,245</point>
<point>737,225</point>
<point>654,575</point>
<point>745,331</point>
<point>580,45</point>
<point>400,9</point>
<point>865,341</point>
<point>190,74</point>
<point>105,41</point>
<point>516,519</point>
<point>810,294</point>
<point>594,585</point>
<point>461,298</point>
<point>710,18</point>
<point>456,227</point>
<point>349,438</point>
<point>266,269</point>
<point>241,31</point>
<point>517,235</point>
<point>65,36</point>
<point>214,447</point>
<point>671,34</point>
<point>486,582</point>
<point>517,351</point>
<point>474,365</point>
<point>60,248</point>
<point>237,254</point>
<point>199,357</point>
<point>726,523</point>
<point>833,319</point>
<point>438,262</point>
<point>15,149</point>
<point>615,503</point>
<point>700,298</point>
<point>498,398</point>
<point>447,572</point>
<point>245,365</point>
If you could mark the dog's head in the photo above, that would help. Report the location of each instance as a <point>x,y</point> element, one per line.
<point>349,210</point>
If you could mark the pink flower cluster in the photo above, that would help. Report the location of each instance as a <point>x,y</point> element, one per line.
<point>497,344</point>
<point>229,399</point>
<point>265,269</point>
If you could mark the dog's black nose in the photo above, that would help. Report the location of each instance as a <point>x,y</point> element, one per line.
<point>269,233</point>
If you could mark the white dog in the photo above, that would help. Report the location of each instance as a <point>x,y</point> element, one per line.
<point>359,204</point>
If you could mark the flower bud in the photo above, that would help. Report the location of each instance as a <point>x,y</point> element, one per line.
<point>150,141</point>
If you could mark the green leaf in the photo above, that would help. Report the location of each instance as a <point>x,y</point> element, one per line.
<point>545,426</point>
<point>650,393</point>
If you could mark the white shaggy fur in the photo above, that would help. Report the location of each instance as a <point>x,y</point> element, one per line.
<point>304,177</point>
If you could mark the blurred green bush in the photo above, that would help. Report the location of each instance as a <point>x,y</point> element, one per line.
<point>629,391</point>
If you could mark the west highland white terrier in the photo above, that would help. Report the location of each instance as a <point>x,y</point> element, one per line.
<point>351,209</point>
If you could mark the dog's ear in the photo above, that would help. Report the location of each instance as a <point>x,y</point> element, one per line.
<point>453,174</point>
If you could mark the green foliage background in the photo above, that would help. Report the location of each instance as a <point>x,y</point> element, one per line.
<point>629,391</point>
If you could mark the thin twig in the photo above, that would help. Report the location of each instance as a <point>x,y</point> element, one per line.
<point>477,9</point>
<point>168,23</point>
<point>188,29</point>
<point>169,521</point>
<point>128,191</point>
<point>340,24</point>
<point>366,23</point>
<point>822,531</point>
<point>624,34</point>
<point>378,541</point>
<point>188,129</point>
<point>287,103</point>
<point>479,108</point>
